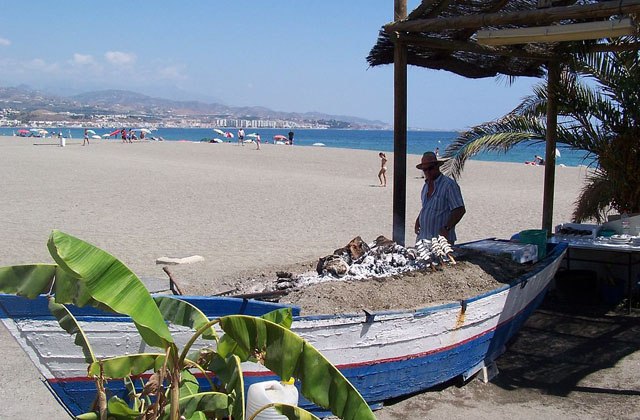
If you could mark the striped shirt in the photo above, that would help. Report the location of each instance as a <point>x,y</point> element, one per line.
<point>436,209</point>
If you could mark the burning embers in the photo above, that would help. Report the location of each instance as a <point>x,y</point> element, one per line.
<point>382,258</point>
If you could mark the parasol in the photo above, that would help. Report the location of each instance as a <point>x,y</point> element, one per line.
<point>217,130</point>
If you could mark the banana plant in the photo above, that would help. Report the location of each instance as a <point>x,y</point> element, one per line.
<point>85,275</point>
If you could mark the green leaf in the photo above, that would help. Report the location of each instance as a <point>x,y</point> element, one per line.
<point>68,323</point>
<point>180,312</point>
<point>282,317</point>
<point>119,410</point>
<point>123,366</point>
<point>293,413</point>
<point>188,384</point>
<point>88,416</point>
<point>227,345</point>
<point>28,281</point>
<point>210,403</point>
<point>288,355</point>
<point>110,282</point>
<point>229,372</point>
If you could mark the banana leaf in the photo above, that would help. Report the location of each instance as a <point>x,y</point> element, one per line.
<point>69,323</point>
<point>229,372</point>
<point>123,366</point>
<point>210,403</point>
<point>28,281</point>
<point>288,355</point>
<point>111,282</point>
<point>183,313</point>
<point>227,345</point>
<point>292,412</point>
<point>188,384</point>
<point>119,410</point>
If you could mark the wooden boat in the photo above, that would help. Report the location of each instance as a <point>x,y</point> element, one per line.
<point>384,354</point>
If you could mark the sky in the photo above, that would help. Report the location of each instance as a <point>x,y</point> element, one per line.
<point>286,55</point>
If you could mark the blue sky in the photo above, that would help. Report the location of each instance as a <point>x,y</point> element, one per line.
<point>287,55</point>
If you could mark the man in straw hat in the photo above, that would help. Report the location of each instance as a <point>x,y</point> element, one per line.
<point>442,204</point>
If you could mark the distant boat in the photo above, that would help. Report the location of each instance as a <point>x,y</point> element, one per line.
<point>385,355</point>
<point>318,144</point>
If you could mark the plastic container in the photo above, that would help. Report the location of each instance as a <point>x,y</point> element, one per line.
<point>536,237</point>
<point>263,393</point>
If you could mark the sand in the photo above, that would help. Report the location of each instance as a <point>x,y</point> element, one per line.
<point>243,210</point>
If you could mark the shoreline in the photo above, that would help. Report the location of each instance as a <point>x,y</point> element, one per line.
<point>373,140</point>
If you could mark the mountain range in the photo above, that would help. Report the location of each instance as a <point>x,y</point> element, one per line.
<point>31,102</point>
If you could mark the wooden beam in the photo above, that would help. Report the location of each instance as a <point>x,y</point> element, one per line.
<point>399,131</point>
<point>553,78</point>
<point>524,18</point>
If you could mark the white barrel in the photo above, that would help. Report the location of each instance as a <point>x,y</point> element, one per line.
<point>263,393</point>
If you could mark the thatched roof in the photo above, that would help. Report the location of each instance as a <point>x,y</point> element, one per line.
<point>441,34</point>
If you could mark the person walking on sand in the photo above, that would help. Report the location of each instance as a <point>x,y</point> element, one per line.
<point>290,138</point>
<point>382,175</point>
<point>258,140</point>
<point>442,203</point>
<point>86,137</point>
<point>241,137</point>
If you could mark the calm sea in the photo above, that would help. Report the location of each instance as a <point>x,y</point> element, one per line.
<point>377,140</point>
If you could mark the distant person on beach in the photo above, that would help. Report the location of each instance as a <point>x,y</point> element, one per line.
<point>538,160</point>
<point>442,203</point>
<point>123,135</point>
<point>437,152</point>
<point>86,137</point>
<point>382,175</point>
<point>258,140</point>
<point>241,137</point>
<point>290,138</point>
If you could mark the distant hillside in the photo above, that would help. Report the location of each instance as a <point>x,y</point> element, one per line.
<point>32,104</point>
<point>126,101</point>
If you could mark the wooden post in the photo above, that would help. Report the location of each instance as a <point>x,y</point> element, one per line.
<point>553,78</point>
<point>399,131</point>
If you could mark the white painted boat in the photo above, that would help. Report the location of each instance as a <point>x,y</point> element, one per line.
<point>384,354</point>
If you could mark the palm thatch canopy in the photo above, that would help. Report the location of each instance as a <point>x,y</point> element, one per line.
<point>441,34</point>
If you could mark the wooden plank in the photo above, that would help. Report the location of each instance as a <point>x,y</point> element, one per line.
<point>525,18</point>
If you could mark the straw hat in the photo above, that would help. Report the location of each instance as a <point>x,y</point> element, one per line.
<point>429,158</point>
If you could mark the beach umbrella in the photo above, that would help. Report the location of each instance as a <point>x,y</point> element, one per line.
<point>252,136</point>
<point>23,132</point>
<point>95,136</point>
<point>558,153</point>
<point>34,130</point>
<point>142,130</point>
<point>228,135</point>
<point>91,132</point>
<point>280,137</point>
<point>114,133</point>
<point>217,130</point>
<point>106,136</point>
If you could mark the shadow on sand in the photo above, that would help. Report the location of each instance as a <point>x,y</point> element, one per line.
<point>563,343</point>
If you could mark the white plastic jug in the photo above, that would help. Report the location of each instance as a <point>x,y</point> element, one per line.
<point>263,393</point>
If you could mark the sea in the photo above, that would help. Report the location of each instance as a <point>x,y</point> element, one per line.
<point>418,142</point>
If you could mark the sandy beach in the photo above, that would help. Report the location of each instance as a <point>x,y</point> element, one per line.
<point>242,210</point>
